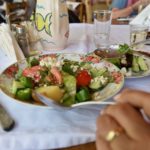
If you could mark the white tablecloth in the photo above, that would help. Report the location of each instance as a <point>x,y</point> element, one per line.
<point>46,128</point>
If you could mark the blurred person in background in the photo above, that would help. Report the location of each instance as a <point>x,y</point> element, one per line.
<point>118,4</point>
<point>131,8</point>
<point>124,126</point>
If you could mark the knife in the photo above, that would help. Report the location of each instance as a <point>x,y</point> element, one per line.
<point>6,121</point>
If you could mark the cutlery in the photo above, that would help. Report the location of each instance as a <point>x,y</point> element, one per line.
<point>141,42</point>
<point>116,46</point>
<point>124,19</point>
<point>49,102</point>
<point>6,121</point>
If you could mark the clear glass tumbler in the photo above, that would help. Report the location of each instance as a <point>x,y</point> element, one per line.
<point>102,24</point>
<point>138,33</point>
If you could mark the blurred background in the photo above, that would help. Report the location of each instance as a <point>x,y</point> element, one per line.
<point>79,10</point>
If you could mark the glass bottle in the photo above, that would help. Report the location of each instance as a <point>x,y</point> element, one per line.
<point>22,39</point>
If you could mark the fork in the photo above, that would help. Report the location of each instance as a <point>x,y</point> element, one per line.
<point>49,102</point>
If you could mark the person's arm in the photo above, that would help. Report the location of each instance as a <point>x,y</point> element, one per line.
<point>128,10</point>
<point>122,126</point>
<point>119,4</point>
<point>116,13</point>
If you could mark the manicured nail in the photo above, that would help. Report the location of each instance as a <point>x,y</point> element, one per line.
<point>117,97</point>
<point>102,112</point>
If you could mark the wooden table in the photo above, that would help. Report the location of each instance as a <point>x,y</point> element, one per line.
<point>116,22</point>
<point>88,146</point>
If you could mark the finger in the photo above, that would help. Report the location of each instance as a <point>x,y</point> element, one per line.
<point>122,143</point>
<point>105,124</point>
<point>101,144</point>
<point>136,98</point>
<point>129,119</point>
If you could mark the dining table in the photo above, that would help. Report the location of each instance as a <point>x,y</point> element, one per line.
<point>43,127</point>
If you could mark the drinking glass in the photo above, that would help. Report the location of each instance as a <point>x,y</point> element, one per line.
<point>138,33</point>
<point>102,23</point>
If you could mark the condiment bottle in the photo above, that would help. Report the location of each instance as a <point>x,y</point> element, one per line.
<point>22,39</point>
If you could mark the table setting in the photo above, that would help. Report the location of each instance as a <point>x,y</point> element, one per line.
<point>46,128</point>
<point>54,122</point>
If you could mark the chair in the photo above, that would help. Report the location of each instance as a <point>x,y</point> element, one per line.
<point>78,8</point>
<point>81,12</point>
<point>17,11</point>
<point>73,18</point>
<point>87,9</point>
<point>84,11</point>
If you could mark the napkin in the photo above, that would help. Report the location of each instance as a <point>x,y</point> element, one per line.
<point>143,17</point>
<point>8,45</point>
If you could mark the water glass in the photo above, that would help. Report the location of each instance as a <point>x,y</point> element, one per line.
<point>102,24</point>
<point>138,33</point>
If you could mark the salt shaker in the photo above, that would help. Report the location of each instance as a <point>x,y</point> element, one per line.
<point>22,39</point>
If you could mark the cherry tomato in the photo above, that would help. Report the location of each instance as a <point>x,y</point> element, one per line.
<point>83,78</point>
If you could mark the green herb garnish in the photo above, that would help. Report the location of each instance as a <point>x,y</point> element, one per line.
<point>124,48</point>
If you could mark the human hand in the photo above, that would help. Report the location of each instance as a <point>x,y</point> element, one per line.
<point>136,98</point>
<point>115,9</point>
<point>125,119</point>
<point>136,5</point>
<point>115,13</point>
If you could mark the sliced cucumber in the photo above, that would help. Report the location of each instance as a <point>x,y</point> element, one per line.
<point>95,85</point>
<point>142,64</point>
<point>97,72</point>
<point>16,85</point>
<point>135,65</point>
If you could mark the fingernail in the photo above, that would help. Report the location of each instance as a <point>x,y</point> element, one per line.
<point>102,112</point>
<point>117,97</point>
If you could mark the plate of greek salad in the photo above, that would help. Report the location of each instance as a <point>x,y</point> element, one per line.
<point>131,63</point>
<point>68,79</point>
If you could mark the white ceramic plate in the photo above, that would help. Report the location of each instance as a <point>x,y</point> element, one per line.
<point>132,74</point>
<point>107,92</point>
<point>141,73</point>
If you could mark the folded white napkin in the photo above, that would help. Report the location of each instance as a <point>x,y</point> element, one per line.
<point>143,17</point>
<point>8,45</point>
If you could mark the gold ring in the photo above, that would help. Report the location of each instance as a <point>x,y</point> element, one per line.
<point>113,134</point>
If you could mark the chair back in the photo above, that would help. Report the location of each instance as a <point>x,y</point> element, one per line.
<point>16,11</point>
